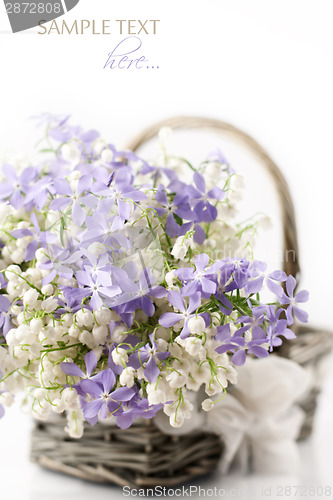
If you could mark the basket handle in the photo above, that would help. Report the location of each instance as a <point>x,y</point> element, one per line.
<point>286,204</point>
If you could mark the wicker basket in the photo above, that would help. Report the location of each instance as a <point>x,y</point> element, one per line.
<point>142,455</point>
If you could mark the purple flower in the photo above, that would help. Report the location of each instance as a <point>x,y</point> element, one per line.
<point>238,345</point>
<point>257,275</point>
<point>103,396</point>
<point>224,286</point>
<point>98,268</point>
<point>149,357</point>
<point>61,263</point>
<point>16,186</point>
<point>39,191</point>
<point>121,190</point>
<point>292,301</point>
<point>96,287</point>
<point>179,206</point>
<point>144,291</point>
<point>74,198</point>
<point>205,211</point>
<point>90,360</point>
<point>170,318</point>
<point>135,408</point>
<point>101,228</point>
<point>62,131</point>
<point>277,327</point>
<point>218,157</point>
<point>5,317</point>
<point>241,272</point>
<point>157,172</point>
<point>72,301</point>
<point>202,279</point>
<point>253,322</point>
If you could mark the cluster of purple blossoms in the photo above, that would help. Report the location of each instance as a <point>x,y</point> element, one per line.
<point>108,264</point>
<point>259,326</point>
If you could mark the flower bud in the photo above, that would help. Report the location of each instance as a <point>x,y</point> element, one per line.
<point>119,356</point>
<point>49,305</point>
<point>30,298</point>
<point>127,377</point>
<point>197,325</point>
<point>207,404</point>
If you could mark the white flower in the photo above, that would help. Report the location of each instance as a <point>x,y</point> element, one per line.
<point>176,419</point>
<point>181,247</point>
<point>119,356</point>
<point>170,278</point>
<point>44,411</point>
<point>41,257</point>
<point>5,210</point>
<point>103,316</point>
<point>232,374</point>
<point>34,350</point>
<point>74,332</point>
<point>13,272</point>
<point>127,377</point>
<point>87,338</point>
<point>59,405</point>
<point>100,333</point>
<point>75,425</point>
<point>207,404</point>
<point>30,298</point>
<point>47,289</point>
<point>7,399</point>
<point>197,325</point>
<point>216,385</point>
<point>71,153</point>
<point>67,320</point>
<point>107,155</point>
<point>118,333</point>
<point>162,333</point>
<point>178,413</point>
<point>237,182</point>
<point>200,374</point>
<point>71,397</point>
<point>156,393</point>
<point>84,318</point>
<point>193,346</point>
<point>265,223</point>
<point>17,256</point>
<point>98,145</point>
<point>49,305</point>
<point>179,251</point>
<point>176,380</point>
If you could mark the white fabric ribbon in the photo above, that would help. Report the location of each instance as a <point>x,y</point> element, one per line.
<point>260,418</point>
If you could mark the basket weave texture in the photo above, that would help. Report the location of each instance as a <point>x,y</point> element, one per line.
<point>143,455</point>
<point>139,456</point>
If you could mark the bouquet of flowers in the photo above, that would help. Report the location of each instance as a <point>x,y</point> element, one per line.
<point>127,285</point>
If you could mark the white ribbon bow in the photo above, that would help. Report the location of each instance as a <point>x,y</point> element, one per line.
<point>259,419</point>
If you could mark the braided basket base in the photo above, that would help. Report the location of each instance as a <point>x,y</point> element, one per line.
<point>139,456</point>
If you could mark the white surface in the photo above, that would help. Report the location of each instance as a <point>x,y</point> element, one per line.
<point>264,66</point>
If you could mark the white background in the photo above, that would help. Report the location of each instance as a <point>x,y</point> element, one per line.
<point>264,66</point>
